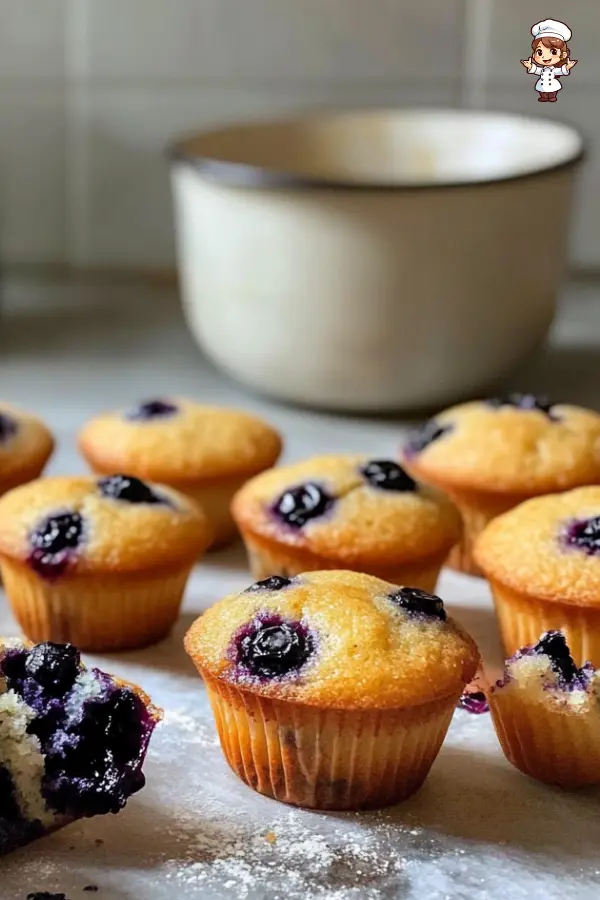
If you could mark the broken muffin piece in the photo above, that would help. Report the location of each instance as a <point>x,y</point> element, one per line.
<point>546,712</point>
<point>72,740</point>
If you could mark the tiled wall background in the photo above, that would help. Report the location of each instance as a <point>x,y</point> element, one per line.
<point>92,90</point>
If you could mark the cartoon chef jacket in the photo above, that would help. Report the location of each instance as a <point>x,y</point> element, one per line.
<point>548,83</point>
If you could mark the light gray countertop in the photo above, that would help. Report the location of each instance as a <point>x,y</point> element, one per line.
<point>478,830</point>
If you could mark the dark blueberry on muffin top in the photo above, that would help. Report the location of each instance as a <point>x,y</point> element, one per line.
<point>54,541</point>
<point>553,644</point>
<point>521,401</point>
<point>474,702</point>
<point>151,409</point>
<point>273,583</point>
<point>584,534</point>
<point>419,602</point>
<point>299,505</point>
<point>387,475</point>
<point>127,488</point>
<point>271,647</point>
<point>8,427</point>
<point>421,438</point>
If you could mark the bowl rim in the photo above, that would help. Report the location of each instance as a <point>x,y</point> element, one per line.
<point>253,175</point>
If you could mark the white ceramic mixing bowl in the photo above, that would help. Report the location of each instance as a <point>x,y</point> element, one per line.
<point>375,260</point>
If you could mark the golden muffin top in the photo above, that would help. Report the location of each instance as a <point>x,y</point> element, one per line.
<point>60,526</point>
<point>547,547</point>
<point>178,441</point>
<point>350,510</point>
<point>334,639</point>
<point>520,445</point>
<point>26,444</point>
<point>546,675</point>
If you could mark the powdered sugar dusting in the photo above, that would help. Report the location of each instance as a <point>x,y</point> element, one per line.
<point>196,731</point>
<point>289,858</point>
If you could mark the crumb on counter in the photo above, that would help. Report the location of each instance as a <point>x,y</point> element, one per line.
<point>46,895</point>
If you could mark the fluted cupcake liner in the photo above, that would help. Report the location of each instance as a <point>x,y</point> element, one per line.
<point>555,745</point>
<point>265,560</point>
<point>522,619</point>
<point>326,758</point>
<point>215,499</point>
<point>95,612</point>
<point>477,512</point>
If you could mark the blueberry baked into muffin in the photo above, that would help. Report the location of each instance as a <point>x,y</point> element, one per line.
<point>547,715</point>
<point>491,455</point>
<point>542,560</point>
<point>26,445</point>
<point>72,740</point>
<point>101,563</point>
<point>350,512</point>
<point>332,690</point>
<point>204,451</point>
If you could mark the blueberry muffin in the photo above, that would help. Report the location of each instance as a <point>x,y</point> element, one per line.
<point>332,690</point>
<point>542,560</point>
<point>491,455</point>
<point>547,715</point>
<point>72,740</point>
<point>26,445</point>
<point>203,451</point>
<point>350,512</point>
<point>102,563</point>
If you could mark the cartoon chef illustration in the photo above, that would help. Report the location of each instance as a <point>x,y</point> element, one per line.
<point>550,58</point>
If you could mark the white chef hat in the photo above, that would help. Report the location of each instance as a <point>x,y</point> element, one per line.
<point>552,29</point>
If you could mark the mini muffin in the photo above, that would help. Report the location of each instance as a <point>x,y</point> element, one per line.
<point>542,560</point>
<point>547,715</point>
<point>26,445</point>
<point>332,690</point>
<point>203,451</point>
<point>333,512</point>
<point>72,740</point>
<point>491,455</point>
<point>100,563</point>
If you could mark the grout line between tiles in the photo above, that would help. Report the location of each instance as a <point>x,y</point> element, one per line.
<point>218,82</point>
<point>478,22</point>
<point>78,250</point>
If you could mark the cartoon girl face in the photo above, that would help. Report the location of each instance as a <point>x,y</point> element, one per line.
<point>549,51</point>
